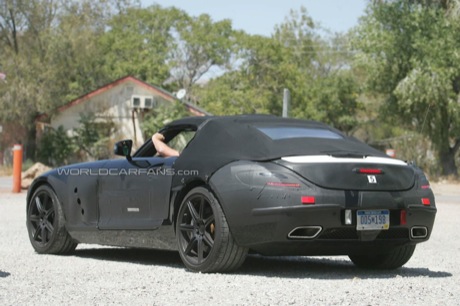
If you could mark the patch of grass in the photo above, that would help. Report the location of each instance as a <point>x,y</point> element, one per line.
<point>6,170</point>
<point>27,164</point>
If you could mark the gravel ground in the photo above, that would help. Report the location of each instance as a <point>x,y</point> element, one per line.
<point>104,275</point>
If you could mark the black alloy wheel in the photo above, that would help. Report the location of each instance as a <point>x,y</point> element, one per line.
<point>203,236</point>
<point>394,258</point>
<point>42,218</point>
<point>45,223</point>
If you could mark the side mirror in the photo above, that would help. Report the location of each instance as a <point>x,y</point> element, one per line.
<point>123,148</point>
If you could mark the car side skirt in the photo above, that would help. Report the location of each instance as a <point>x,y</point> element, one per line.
<point>162,238</point>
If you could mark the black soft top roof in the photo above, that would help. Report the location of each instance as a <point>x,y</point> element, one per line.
<point>248,119</point>
<point>189,121</point>
<point>221,140</point>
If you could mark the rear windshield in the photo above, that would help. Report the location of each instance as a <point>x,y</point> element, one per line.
<point>287,132</point>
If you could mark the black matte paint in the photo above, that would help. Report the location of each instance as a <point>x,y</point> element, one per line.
<point>242,167</point>
<point>261,216</point>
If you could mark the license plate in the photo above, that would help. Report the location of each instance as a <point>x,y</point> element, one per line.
<point>372,220</point>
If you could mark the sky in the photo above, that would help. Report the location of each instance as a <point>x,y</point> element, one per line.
<point>261,16</point>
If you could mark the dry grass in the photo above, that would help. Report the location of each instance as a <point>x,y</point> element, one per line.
<point>6,171</point>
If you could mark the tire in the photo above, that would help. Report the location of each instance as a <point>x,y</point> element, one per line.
<point>204,239</point>
<point>394,259</point>
<point>46,224</point>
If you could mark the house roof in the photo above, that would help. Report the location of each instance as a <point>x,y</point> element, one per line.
<point>197,111</point>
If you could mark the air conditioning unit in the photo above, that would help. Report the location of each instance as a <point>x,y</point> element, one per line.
<point>136,102</point>
<point>143,102</point>
<point>148,102</point>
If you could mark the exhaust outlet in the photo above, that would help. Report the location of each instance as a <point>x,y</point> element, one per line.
<point>418,232</point>
<point>305,232</point>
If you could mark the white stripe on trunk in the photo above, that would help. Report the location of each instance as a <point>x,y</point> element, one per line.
<point>327,159</point>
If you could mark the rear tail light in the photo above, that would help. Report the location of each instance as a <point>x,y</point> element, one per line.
<point>281,184</point>
<point>426,201</point>
<point>368,171</point>
<point>308,200</point>
<point>423,182</point>
<point>403,217</point>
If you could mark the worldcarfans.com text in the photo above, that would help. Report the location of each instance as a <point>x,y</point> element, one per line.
<point>131,171</point>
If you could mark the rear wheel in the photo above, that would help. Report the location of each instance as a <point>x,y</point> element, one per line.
<point>45,223</point>
<point>204,239</point>
<point>393,259</point>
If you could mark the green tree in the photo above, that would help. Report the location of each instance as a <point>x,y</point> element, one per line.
<point>254,86</point>
<point>157,118</point>
<point>49,53</point>
<point>23,28</point>
<point>138,42</point>
<point>201,44</point>
<point>56,148</point>
<point>315,70</point>
<point>93,136</point>
<point>409,49</point>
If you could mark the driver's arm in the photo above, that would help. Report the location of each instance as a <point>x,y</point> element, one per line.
<point>162,148</point>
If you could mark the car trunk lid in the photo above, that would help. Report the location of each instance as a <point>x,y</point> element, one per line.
<point>352,172</point>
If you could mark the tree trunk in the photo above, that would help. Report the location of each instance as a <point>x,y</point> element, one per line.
<point>14,32</point>
<point>447,161</point>
<point>30,143</point>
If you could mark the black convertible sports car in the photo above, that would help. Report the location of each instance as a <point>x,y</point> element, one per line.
<point>242,184</point>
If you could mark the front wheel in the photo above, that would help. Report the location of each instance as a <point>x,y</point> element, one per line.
<point>45,223</point>
<point>393,259</point>
<point>203,236</point>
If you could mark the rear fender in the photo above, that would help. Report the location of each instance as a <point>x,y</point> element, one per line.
<point>244,186</point>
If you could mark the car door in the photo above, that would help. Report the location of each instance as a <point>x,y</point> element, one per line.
<point>134,194</point>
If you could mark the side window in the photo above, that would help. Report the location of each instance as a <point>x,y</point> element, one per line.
<point>181,140</point>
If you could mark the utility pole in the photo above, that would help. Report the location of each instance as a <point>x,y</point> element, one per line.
<point>286,102</point>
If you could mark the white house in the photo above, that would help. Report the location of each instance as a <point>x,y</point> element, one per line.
<point>122,102</point>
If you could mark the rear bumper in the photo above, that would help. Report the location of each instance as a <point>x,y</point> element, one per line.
<point>270,230</point>
<point>263,204</point>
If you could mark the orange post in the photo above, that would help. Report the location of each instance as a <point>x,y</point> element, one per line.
<point>17,167</point>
